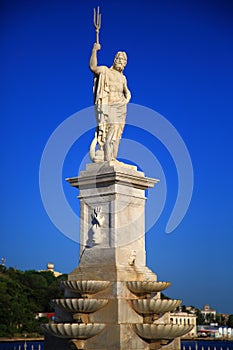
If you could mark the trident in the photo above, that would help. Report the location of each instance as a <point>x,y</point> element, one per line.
<point>97,22</point>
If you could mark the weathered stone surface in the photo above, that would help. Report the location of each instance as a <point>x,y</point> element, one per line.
<point>112,200</point>
<point>112,268</point>
<point>111,96</point>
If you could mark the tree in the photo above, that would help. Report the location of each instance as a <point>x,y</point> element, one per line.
<point>163,296</point>
<point>22,296</point>
<point>200,317</point>
<point>183,308</point>
<point>230,321</point>
<point>221,319</point>
<point>209,318</point>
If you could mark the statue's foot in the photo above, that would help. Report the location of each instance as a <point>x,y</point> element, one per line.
<point>124,164</point>
<point>99,156</point>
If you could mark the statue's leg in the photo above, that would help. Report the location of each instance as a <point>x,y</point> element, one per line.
<point>115,147</point>
<point>108,147</point>
<point>117,136</point>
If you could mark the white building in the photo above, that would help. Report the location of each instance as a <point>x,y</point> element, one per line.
<point>184,318</point>
<point>208,313</point>
<point>226,332</point>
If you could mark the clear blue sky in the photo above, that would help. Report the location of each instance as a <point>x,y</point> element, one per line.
<point>180,65</point>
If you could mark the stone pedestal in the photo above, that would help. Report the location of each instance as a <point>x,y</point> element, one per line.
<point>112,272</point>
<point>112,230</point>
<point>114,248</point>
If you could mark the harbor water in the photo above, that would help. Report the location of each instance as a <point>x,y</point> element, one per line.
<point>22,345</point>
<point>206,345</point>
<point>185,345</point>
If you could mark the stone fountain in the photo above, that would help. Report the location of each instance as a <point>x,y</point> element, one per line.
<point>112,300</point>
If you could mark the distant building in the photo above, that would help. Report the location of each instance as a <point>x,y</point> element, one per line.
<point>49,315</point>
<point>208,313</point>
<point>207,331</point>
<point>191,309</point>
<point>226,332</point>
<point>215,332</point>
<point>50,267</point>
<point>185,318</point>
<point>3,261</point>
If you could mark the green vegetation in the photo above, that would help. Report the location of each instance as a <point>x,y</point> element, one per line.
<point>230,321</point>
<point>200,317</point>
<point>24,294</point>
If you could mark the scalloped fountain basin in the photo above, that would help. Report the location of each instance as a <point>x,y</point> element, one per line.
<point>73,330</point>
<point>86,287</point>
<point>155,332</point>
<point>143,287</point>
<point>80,305</point>
<point>154,306</point>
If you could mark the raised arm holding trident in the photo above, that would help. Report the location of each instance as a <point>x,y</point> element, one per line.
<point>111,96</point>
<point>97,23</point>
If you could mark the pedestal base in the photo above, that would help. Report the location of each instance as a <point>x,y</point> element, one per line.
<point>112,232</point>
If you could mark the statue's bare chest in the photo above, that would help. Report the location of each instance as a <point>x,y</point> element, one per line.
<point>116,79</point>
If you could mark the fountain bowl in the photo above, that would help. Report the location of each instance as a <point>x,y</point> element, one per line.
<point>73,330</point>
<point>154,306</point>
<point>146,287</point>
<point>85,306</point>
<point>85,287</point>
<point>152,332</point>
